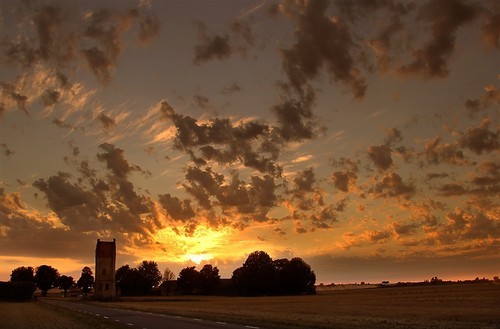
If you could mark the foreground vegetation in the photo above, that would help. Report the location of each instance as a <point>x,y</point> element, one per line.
<point>42,316</point>
<point>449,306</point>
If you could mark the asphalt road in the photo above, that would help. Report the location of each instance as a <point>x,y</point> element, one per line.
<point>144,320</point>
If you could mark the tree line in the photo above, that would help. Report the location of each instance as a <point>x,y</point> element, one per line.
<point>25,280</point>
<point>259,275</point>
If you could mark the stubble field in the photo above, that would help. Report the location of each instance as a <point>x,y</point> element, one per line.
<point>465,306</point>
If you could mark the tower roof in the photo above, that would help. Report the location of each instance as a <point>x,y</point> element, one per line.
<point>105,248</point>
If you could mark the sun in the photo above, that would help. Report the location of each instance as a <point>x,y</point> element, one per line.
<point>198,258</point>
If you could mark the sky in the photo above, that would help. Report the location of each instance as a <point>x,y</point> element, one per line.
<point>361,136</point>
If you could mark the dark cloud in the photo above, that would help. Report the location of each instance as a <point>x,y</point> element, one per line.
<point>392,185</point>
<point>489,98</point>
<point>295,117</point>
<point>250,143</point>
<point>233,88</point>
<point>10,93</point>
<point>115,160</point>
<point>320,42</point>
<point>253,198</point>
<point>177,209</point>
<point>149,26</point>
<point>481,139</point>
<point>76,207</point>
<point>381,156</point>
<point>50,97</point>
<point>345,179</point>
<point>211,46</point>
<point>444,18</point>
<point>6,150</point>
<point>484,183</point>
<point>55,36</point>
<point>437,152</point>
<point>106,121</point>
<point>463,224</point>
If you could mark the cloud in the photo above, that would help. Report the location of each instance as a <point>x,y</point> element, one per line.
<point>437,152</point>
<point>106,121</point>
<point>482,184</point>
<point>211,46</point>
<point>381,156</point>
<point>231,89</point>
<point>392,185</point>
<point>295,119</point>
<point>6,150</point>
<point>346,179</point>
<point>177,209</point>
<point>481,139</point>
<point>55,36</point>
<point>467,225</point>
<point>320,41</point>
<point>490,30</point>
<point>445,18</point>
<point>489,98</point>
<point>249,143</point>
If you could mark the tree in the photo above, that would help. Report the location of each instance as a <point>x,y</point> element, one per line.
<point>296,277</point>
<point>168,275</point>
<point>46,278</point>
<point>208,278</point>
<point>150,273</point>
<point>188,279</point>
<point>66,282</point>
<point>22,274</point>
<point>21,285</point>
<point>86,280</point>
<point>260,275</point>
<point>257,276</point>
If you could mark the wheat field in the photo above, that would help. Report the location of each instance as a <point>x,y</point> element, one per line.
<point>465,306</point>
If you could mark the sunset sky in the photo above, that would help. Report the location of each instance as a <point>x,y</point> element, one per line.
<point>362,136</point>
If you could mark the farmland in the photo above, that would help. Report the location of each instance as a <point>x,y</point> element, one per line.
<point>447,306</point>
<point>31,315</point>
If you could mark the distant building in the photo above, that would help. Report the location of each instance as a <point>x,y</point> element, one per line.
<point>105,260</point>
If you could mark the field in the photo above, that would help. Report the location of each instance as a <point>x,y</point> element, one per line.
<point>465,306</point>
<point>41,316</point>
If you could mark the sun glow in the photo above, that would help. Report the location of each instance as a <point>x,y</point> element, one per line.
<point>204,244</point>
<point>199,258</point>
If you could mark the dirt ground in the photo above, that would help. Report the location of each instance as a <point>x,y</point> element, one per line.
<point>32,315</point>
<point>465,306</point>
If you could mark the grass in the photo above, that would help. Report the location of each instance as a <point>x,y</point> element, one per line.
<point>443,307</point>
<point>31,315</point>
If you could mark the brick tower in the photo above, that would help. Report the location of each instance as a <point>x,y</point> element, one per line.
<point>105,259</point>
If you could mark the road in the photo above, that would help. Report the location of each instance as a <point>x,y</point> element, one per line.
<point>144,320</point>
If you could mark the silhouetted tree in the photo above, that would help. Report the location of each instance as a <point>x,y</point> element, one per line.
<point>22,274</point>
<point>257,276</point>
<point>208,278</point>
<point>86,280</point>
<point>66,282</point>
<point>150,274</point>
<point>21,286</point>
<point>296,277</point>
<point>260,275</point>
<point>188,279</point>
<point>46,278</point>
<point>168,275</point>
<point>138,281</point>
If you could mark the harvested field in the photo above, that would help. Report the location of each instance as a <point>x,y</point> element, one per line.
<point>41,316</point>
<point>463,306</point>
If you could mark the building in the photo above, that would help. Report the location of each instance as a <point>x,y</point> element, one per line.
<point>105,260</point>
